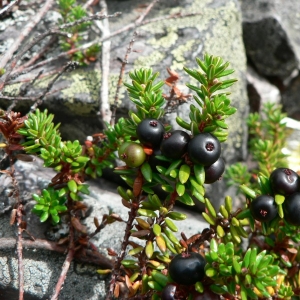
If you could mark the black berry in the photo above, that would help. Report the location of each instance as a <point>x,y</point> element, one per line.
<point>263,208</point>
<point>150,132</point>
<point>284,181</point>
<point>187,268</point>
<point>215,171</point>
<point>291,208</point>
<point>168,292</point>
<point>174,144</point>
<point>204,149</point>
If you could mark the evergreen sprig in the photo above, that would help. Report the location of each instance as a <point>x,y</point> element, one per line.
<point>255,273</point>
<point>214,107</point>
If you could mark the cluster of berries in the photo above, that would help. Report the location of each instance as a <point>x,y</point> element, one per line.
<point>203,149</point>
<point>285,182</point>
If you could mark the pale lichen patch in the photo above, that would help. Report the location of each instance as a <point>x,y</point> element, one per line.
<point>166,41</point>
<point>178,54</point>
<point>150,60</point>
<point>83,82</point>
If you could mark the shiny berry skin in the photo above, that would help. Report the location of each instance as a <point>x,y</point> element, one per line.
<point>284,181</point>
<point>168,292</point>
<point>150,132</point>
<point>187,268</point>
<point>291,208</point>
<point>133,154</point>
<point>174,144</point>
<point>263,208</point>
<point>215,171</point>
<point>204,149</point>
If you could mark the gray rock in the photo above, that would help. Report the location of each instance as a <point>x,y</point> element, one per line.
<point>271,35</point>
<point>260,91</point>
<point>290,98</point>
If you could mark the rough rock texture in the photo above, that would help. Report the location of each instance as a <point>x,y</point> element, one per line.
<point>260,91</point>
<point>290,98</point>
<point>271,35</point>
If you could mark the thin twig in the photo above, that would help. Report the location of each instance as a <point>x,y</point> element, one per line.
<point>19,215</point>
<point>40,37</point>
<point>96,16</point>
<point>66,265</point>
<point>90,256</point>
<point>24,91</point>
<point>51,83</point>
<point>138,22</point>
<point>17,98</point>
<point>132,214</point>
<point>120,80</point>
<point>55,30</point>
<point>39,54</point>
<point>25,33</point>
<point>97,41</point>
<point>104,106</point>
<point>8,8</point>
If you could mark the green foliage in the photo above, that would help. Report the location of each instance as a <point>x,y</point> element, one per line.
<point>71,12</point>
<point>214,107</point>
<point>254,272</point>
<point>267,139</point>
<point>50,203</point>
<point>265,267</point>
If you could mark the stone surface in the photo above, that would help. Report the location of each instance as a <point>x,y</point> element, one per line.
<point>290,98</point>
<point>260,91</point>
<point>271,35</point>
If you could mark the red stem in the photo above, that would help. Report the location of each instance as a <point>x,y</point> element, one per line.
<point>66,265</point>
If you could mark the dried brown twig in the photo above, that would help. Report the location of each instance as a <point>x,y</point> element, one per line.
<point>53,31</point>
<point>19,71</point>
<point>15,46</point>
<point>120,80</point>
<point>39,99</point>
<point>104,107</point>
<point>66,265</point>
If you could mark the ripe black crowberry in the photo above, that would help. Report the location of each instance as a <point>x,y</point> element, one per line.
<point>263,208</point>
<point>284,181</point>
<point>291,207</point>
<point>187,268</point>
<point>204,149</point>
<point>214,171</point>
<point>174,145</point>
<point>168,292</point>
<point>150,132</point>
